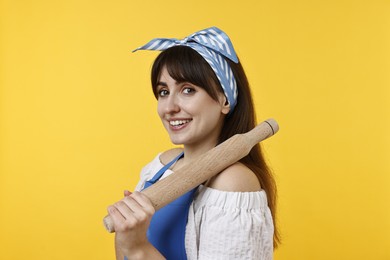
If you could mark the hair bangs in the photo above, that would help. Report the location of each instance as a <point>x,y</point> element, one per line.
<point>186,65</point>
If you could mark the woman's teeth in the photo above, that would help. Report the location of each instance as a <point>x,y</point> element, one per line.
<point>178,122</point>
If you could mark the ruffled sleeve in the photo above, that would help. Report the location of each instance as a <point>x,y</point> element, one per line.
<point>229,225</point>
<point>148,172</point>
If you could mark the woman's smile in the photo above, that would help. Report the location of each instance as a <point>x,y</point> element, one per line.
<point>178,124</point>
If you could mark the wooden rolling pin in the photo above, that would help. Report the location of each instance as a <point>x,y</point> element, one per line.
<point>205,166</point>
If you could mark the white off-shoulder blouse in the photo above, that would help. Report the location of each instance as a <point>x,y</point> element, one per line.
<point>224,225</point>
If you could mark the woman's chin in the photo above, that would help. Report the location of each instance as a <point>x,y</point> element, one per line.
<point>175,141</point>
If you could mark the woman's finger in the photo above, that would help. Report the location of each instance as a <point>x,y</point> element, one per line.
<point>126,193</point>
<point>144,202</point>
<point>141,206</point>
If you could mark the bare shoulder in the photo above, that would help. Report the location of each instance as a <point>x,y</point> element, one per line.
<point>237,177</point>
<point>169,155</point>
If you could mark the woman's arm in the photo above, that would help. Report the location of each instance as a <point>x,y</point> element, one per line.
<point>147,252</point>
<point>231,219</point>
<point>131,217</point>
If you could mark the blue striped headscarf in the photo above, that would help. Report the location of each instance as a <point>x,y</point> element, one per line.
<point>213,45</point>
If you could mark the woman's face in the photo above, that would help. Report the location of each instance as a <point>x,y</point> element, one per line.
<point>188,113</point>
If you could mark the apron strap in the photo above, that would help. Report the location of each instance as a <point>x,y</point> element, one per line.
<point>160,173</point>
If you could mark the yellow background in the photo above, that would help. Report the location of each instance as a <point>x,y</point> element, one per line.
<point>78,118</point>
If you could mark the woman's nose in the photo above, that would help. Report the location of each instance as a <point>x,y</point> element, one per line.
<point>172,105</point>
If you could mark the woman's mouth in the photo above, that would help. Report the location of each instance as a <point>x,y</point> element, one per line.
<point>178,124</point>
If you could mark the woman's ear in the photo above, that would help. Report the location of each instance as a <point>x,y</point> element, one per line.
<point>225,106</point>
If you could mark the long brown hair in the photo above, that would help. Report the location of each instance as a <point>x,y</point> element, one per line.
<point>186,65</point>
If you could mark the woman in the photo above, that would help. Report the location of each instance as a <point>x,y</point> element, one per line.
<point>203,99</point>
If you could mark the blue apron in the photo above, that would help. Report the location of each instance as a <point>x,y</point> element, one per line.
<point>168,225</point>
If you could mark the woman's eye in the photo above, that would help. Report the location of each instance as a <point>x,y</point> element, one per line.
<point>188,90</point>
<point>163,93</point>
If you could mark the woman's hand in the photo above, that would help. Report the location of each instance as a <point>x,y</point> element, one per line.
<point>131,217</point>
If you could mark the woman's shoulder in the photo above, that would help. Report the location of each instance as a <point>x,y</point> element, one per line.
<point>237,178</point>
<point>169,155</point>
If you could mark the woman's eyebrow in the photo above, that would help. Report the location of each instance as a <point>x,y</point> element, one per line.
<point>161,83</point>
<point>164,84</point>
